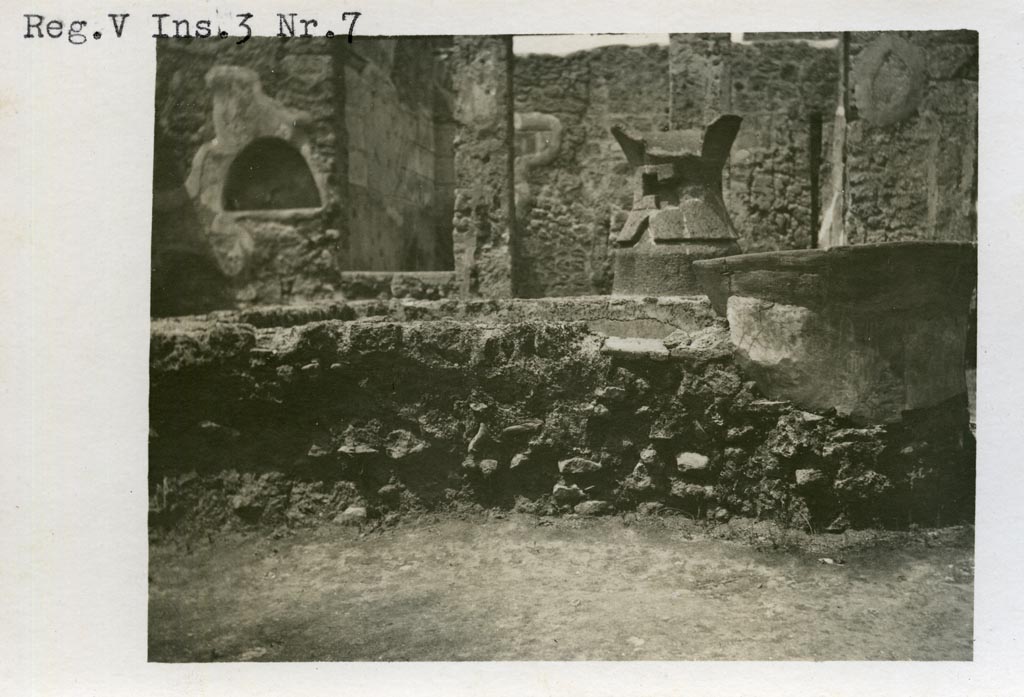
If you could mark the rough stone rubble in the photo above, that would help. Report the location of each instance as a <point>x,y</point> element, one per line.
<point>358,418</point>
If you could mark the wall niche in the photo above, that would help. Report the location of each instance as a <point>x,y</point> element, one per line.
<point>268,174</point>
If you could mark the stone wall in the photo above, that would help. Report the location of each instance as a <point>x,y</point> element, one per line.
<point>910,148</point>
<point>699,74</point>
<point>297,73</point>
<point>294,256</point>
<point>411,145</point>
<point>778,87</point>
<point>584,193</point>
<point>371,122</point>
<point>484,210</point>
<point>912,141</point>
<point>399,208</point>
<point>581,196</point>
<point>300,424</point>
<point>911,179</point>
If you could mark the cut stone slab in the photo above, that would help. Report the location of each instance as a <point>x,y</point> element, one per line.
<point>635,348</point>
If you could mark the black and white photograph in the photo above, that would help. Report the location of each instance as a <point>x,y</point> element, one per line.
<point>467,348</point>
<point>564,348</point>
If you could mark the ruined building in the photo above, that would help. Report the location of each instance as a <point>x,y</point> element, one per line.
<point>727,275</point>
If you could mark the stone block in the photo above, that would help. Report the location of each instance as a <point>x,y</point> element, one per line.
<point>692,463</point>
<point>578,466</point>
<point>635,348</point>
<point>871,331</point>
<point>809,477</point>
<point>353,515</point>
<point>594,508</point>
<point>650,508</point>
<point>567,494</point>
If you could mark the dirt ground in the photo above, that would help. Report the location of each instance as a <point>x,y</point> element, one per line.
<point>484,587</point>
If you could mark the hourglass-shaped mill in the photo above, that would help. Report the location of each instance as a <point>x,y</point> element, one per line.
<point>678,214</point>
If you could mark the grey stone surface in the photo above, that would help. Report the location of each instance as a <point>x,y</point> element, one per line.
<point>650,508</point>
<point>578,465</point>
<point>594,508</point>
<point>567,494</point>
<point>353,515</point>
<point>401,443</point>
<point>635,348</point>
<point>691,463</point>
<point>870,330</point>
<point>521,429</point>
<point>519,460</point>
<point>808,477</point>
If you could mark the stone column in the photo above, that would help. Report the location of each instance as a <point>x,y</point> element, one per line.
<point>484,218</point>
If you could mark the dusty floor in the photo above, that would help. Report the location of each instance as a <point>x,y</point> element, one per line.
<point>522,588</point>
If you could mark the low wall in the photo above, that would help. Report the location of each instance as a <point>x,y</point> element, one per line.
<point>344,419</point>
<point>645,317</point>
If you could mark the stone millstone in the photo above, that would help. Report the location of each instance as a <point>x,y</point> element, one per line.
<point>678,213</point>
